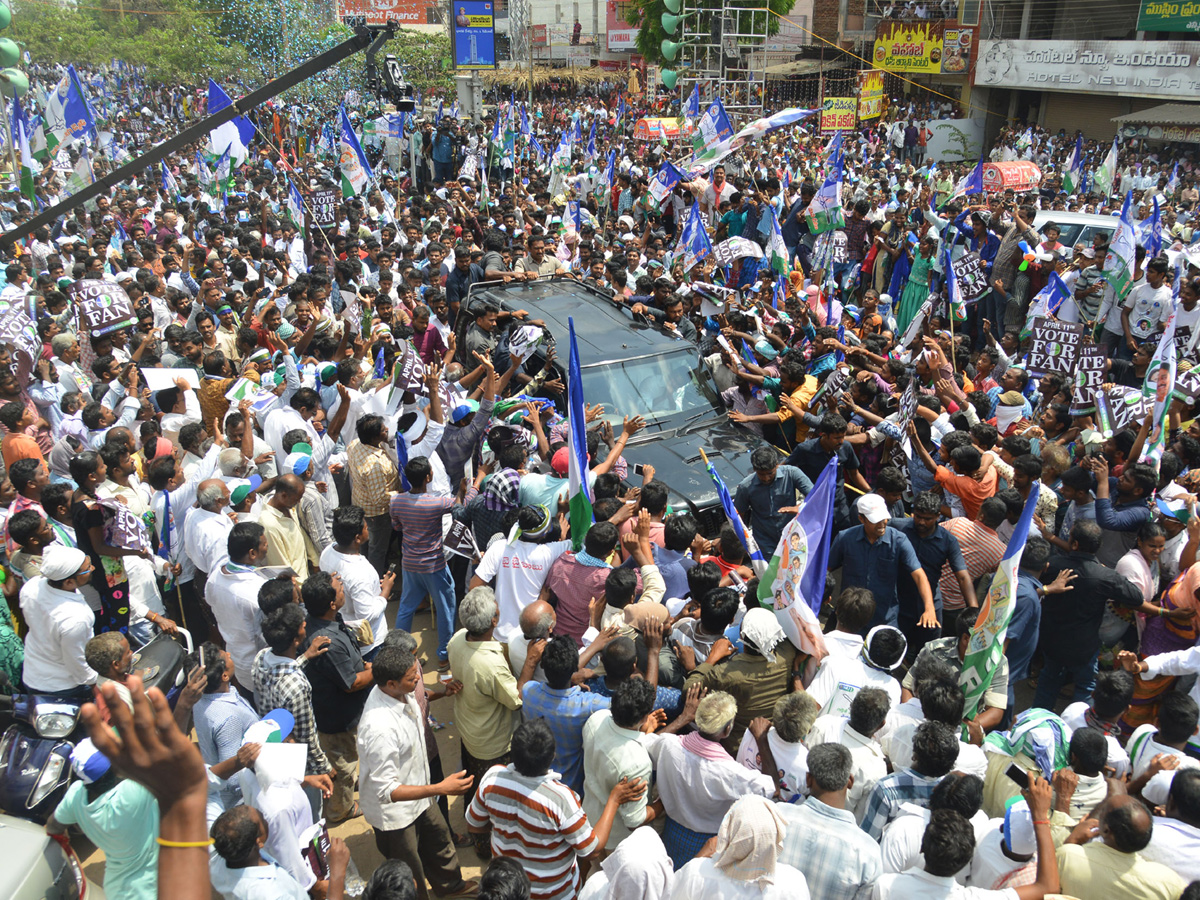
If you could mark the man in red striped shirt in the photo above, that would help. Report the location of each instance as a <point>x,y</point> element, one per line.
<point>537,820</point>
<point>418,516</point>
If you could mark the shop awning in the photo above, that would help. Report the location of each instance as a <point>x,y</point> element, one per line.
<point>1163,114</point>
<point>804,67</point>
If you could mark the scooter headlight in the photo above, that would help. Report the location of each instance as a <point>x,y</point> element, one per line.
<point>55,725</point>
<point>47,779</point>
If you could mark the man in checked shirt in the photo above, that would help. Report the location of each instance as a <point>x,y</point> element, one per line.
<point>280,683</point>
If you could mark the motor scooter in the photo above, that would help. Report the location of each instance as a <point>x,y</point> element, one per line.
<point>35,751</point>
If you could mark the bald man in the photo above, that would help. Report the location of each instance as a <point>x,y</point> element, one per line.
<point>288,543</point>
<point>1113,868</point>
<point>537,622</point>
<point>206,536</point>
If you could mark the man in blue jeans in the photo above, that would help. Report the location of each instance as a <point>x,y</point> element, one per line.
<point>418,516</point>
<point>1070,630</point>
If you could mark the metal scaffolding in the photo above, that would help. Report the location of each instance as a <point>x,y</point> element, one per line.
<point>722,51</point>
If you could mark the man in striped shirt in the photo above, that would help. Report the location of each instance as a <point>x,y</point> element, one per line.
<point>418,516</point>
<point>537,820</point>
<point>981,549</point>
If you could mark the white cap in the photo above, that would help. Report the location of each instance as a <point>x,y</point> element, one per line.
<point>873,508</point>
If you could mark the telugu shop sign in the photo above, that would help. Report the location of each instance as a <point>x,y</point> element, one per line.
<point>1145,68</point>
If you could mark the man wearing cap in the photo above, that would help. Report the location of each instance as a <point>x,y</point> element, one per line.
<point>120,817</point>
<point>60,623</point>
<point>875,556</point>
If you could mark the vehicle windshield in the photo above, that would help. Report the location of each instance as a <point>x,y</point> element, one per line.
<point>655,387</point>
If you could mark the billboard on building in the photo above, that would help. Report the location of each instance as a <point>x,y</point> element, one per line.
<point>870,94</point>
<point>1155,15</point>
<point>379,12</point>
<point>621,35</point>
<point>1145,68</point>
<point>914,46</point>
<point>474,34</point>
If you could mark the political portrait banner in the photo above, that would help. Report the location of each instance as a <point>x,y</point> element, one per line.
<point>1054,346</point>
<point>103,306</point>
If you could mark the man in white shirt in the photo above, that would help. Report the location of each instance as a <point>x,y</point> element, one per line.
<point>839,678</point>
<point>612,751</point>
<point>868,712</point>
<point>232,594</point>
<point>1175,841</point>
<point>519,568</point>
<point>60,623</point>
<point>366,594</point>
<point>393,779</point>
<point>206,540</point>
<point>1146,310</point>
<point>1175,726</point>
<point>948,845</point>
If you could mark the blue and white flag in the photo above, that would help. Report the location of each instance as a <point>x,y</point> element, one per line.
<point>1073,176</point>
<point>757,562</point>
<point>236,134</point>
<point>663,182</point>
<point>824,212</point>
<point>693,105</point>
<point>694,242</point>
<point>525,121</point>
<point>295,207</point>
<point>713,128</point>
<point>579,493</point>
<point>1049,298</point>
<point>794,581</point>
<point>169,185</point>
<point>356,171</point>
<point>1173,181</point>
<point>985,648</point>
<point>610,170</point>
<point>1152,232</point>
<point>969,184</point>
<point>590,153</point>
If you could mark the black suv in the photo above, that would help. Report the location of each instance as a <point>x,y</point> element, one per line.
<point>633,368</point>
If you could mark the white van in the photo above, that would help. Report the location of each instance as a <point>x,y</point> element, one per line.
<point>1075,228</point>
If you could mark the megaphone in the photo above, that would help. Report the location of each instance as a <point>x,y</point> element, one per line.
<point>672,5</point>
<point>670,78</point>
<point>670,23</point>
<point>10,53</point>
<point>670,49</point>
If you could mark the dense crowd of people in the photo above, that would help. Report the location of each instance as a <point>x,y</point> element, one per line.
<point>300,439</point>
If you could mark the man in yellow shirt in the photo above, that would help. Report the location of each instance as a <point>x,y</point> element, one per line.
<point>795,390</point>
<point>288,543</point>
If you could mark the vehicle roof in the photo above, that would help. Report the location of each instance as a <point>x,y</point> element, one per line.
<point>603,332</point>
<point>1073,218</point>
